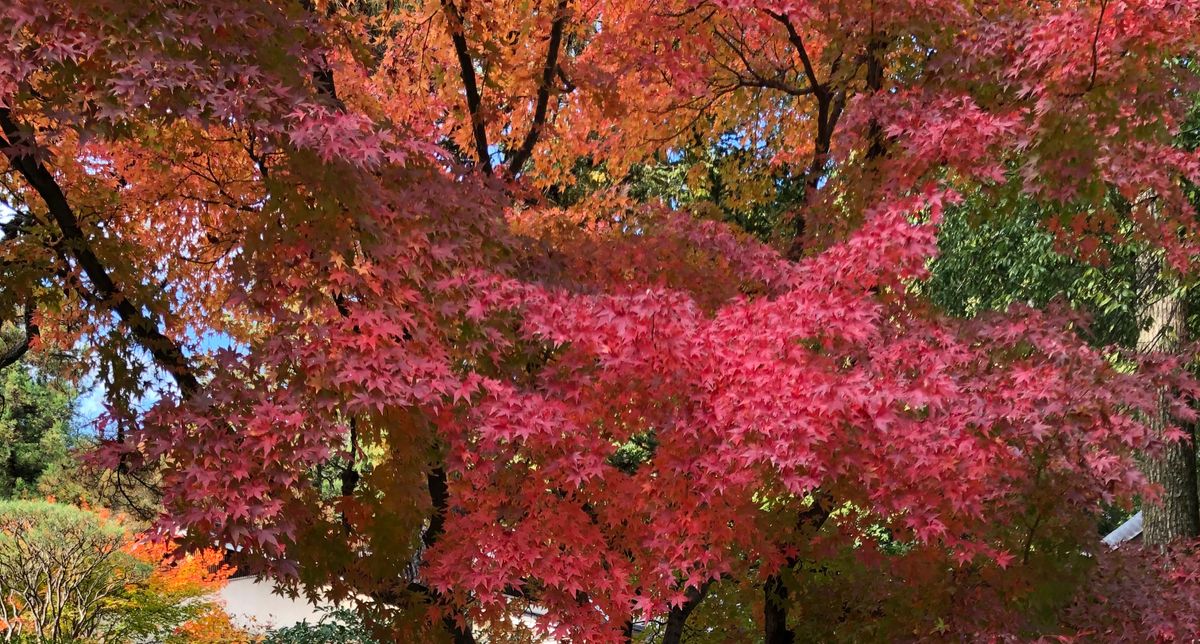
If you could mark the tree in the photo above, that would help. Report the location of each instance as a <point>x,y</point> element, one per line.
<point>338,253</point>
<point>58,566</point>
<point>181,585</point>
<point>36,433</point>
<point>71,575</point>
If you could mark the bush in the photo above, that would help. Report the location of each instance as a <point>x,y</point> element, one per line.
<point>339,626</point>
<point>69,574</point>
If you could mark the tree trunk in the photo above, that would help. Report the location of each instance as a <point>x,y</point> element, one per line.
<point>678,616</point>
<point>775,612</point>
<point>1178,514</point>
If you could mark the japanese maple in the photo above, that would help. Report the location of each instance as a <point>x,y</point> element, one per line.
<point>339,229</point>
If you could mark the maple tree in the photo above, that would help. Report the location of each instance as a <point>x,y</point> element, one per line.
<point>339,234</point>
<point>178,592</point>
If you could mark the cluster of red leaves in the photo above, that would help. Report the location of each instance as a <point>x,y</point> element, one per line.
<point>1148,592</point>
<point>950,434</point>
<point>365,291</point>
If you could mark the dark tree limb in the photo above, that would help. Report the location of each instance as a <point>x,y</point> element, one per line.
<point>829,109</point>
<point>17,351</point>
<point>1096,47</point>
<point>439,498</point>
<point>752,77</point>
<point>627,631</point>
<point>521,156</point>
<point>568,85</point>
<point>165,351</point>
<point>775,612</point>
<point>875,50</point>
<point>798,43</point>
<point>322,75</point>
<point>466,68</point>
<point>323,81</point>
<point>775,592</point>
<point>677,617</point>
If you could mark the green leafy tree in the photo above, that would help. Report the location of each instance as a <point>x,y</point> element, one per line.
<point>994,250</point>
<point>36,431</point>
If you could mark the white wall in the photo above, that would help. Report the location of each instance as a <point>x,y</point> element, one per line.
<point>254,605</point>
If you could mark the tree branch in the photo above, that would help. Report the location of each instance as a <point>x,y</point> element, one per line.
<point>17,351</point>
<point>755,79</point>
<point>454,21</point>
<point>543,95</point>
<point>775,592</point>
<point>677,618</point>
<point>165,351</point>
<point>1096,47</point>
<point>875,50</point>
<point>439,498</point>
<point>798,42</point>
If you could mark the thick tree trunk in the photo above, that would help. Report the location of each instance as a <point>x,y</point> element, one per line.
<point>677,618</point>
<point>776,602</point>
<point>775,613</point>
<point>1178,514</point>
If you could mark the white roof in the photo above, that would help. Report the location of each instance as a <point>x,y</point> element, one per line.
<point>1125,532</point>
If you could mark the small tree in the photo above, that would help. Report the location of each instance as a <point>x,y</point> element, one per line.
<point>72,575</point>
<point>59,568</point>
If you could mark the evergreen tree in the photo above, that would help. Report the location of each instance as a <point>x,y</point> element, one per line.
<point>36,432</point>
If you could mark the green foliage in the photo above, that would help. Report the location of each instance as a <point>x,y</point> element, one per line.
<point>639,449</point>
<point>147,614</point>
<point>715,179</point>
<point>42,451</point>
<point>995,251</point>
<point>69,575</point>
<point>340,626</point>
<point>757,200</point>
<point>36,432</point>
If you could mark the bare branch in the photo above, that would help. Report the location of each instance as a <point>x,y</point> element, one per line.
<point>454,22</point>
<point>756,78</point>
<point>543,95</point>
<point>14,353</point>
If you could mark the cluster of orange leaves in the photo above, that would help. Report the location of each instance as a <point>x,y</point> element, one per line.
<point>194,573</point>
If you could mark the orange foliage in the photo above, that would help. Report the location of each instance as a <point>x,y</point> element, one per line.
<point>182,572</point>
<point>213,627</point>
<point>192,573</point>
